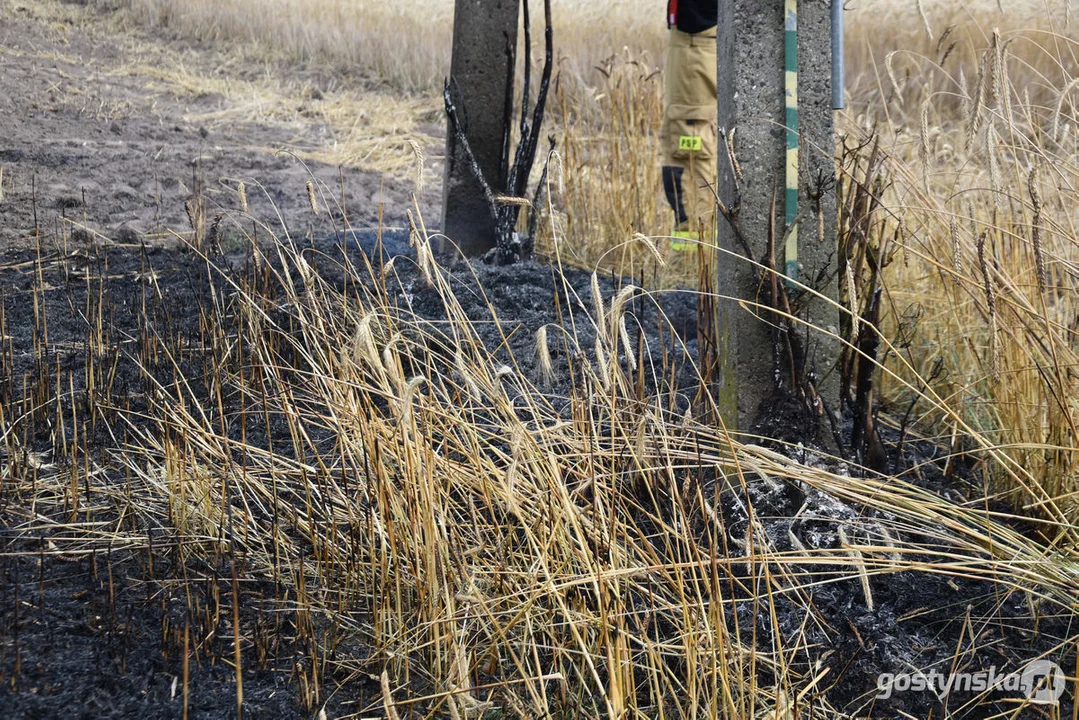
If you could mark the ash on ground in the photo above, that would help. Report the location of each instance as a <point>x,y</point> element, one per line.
<point>55,624</point>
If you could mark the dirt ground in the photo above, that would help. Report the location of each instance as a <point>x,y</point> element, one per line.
<point>115,131</point>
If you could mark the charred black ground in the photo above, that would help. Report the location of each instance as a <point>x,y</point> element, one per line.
<point>102,630</point>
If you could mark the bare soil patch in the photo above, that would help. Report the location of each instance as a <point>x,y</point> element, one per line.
<point>115,131</point>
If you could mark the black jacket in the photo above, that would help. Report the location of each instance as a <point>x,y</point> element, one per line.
<point>692,16</point>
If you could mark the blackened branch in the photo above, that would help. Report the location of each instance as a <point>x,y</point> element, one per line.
<point>507,110</point>
<point>459,135</point>
<point>530,140</point>
<point>528,73</point>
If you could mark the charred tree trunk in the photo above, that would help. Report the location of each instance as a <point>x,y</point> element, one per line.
<point>497,196</point>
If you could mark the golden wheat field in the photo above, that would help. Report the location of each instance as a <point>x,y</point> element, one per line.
<point>408,44</point>
<point>250,469</point>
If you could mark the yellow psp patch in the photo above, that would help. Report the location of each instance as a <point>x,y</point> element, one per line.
<point>689,142</point>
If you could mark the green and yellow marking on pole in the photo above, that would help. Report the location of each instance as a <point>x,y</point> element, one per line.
<point>791,197</point>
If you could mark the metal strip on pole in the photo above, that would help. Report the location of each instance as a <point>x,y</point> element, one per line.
<point>838,99</point>
<point>791,84</point>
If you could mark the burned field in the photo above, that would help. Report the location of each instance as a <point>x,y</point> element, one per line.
<point>187,505</point>
<point>263,453</point>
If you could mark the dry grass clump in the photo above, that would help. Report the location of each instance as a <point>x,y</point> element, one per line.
<point>498,549</point>
<point>605,192</point>
<point>396,500</point>
<point>979,190</point>
<point>405,44</point>
<point>375,130</point>
<point>900,53</point>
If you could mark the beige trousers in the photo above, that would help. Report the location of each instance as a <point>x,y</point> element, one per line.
<point>688,139</point>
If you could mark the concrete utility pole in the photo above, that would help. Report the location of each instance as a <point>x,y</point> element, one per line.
<point>753,100</point>
<point>481,77</point>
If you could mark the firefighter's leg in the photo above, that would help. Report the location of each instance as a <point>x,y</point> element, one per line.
<point>690,192</point>
<point>688,137</point>
<point>673,189</point>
